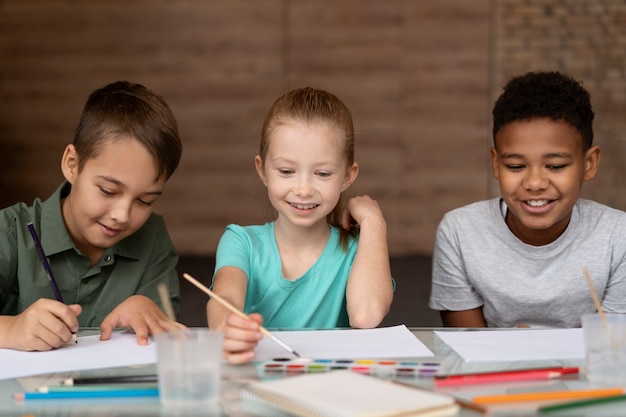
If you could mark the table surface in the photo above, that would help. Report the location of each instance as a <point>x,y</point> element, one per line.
<point>234,377</point>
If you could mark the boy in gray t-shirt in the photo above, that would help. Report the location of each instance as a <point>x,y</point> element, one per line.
<point>518,260</point>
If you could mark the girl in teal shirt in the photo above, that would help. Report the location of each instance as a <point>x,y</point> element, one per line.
<point>320,263</point>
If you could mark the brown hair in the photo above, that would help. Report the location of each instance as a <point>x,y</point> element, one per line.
<point>124,108</point>
<point>314,105</point>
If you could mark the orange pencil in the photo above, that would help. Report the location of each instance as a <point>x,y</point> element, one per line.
<point>547,395</point>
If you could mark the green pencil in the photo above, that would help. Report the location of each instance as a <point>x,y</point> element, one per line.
<point>581,403</point>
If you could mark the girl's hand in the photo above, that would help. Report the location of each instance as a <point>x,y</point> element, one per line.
<point>44,325</point>
<point>241,337</point>
<point>359,210</point>
<point>141,314</point>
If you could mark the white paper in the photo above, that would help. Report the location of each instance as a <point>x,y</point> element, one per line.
<point>514,345</point>
<point>385,342</point>
<point>89,353</point>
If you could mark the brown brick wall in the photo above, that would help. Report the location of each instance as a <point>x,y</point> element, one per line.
<point>587,39</point>
<point>419,76</point>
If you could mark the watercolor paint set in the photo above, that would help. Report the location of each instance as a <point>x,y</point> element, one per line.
<point>383,368</point>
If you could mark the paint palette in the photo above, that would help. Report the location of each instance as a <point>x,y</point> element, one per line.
<point>382,368</point>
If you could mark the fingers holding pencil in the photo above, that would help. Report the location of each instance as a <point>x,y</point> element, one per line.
<point>44,325</point>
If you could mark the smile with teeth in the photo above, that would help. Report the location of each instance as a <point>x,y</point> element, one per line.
<point>537,203</point>
<point>304,206</point>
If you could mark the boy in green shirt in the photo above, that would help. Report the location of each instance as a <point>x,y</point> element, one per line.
<point>107,249</point>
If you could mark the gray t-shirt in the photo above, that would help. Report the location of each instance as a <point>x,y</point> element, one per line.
<point>478,261</point>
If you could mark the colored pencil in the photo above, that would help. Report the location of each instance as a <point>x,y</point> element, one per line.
<point>46,266</point>
<point>461,402</point>
<point>241,314</point>
<point>119,379</point>
<point>503,376</point>
<point>125,392</point>
<point>547,395</point>
<point>581,403</point>
<point>95,387</point>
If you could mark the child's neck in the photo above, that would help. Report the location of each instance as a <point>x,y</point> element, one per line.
<point>300,248</point>
<point>535,237</point>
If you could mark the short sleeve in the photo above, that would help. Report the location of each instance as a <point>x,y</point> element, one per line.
<point>234,249</point>
<point>451,288</point>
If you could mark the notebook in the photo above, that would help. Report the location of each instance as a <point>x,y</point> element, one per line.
<point>347,393</point>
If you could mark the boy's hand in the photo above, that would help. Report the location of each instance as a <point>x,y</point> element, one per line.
<point>241,337</point>
<point>44,325</point>
<point>141,314</point>
<point>358,209</point>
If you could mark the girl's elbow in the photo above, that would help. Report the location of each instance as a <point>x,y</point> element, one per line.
<point>368,319</point>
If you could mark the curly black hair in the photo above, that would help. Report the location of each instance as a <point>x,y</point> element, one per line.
<point>551,95</point>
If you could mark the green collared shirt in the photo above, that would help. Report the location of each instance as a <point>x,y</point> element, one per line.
<point>135,265</point>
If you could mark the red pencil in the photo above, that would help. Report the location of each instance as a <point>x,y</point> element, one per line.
<point>503,376</point>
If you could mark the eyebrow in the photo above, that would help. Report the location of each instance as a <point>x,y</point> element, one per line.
<point>284,160</point>
<point>121,184</point>
<point>546,156</point>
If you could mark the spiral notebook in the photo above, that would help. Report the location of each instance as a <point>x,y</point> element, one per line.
<point>347,394</point>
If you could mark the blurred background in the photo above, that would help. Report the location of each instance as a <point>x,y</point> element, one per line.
<point>419,76</point>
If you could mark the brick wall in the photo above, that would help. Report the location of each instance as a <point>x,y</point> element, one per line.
<point>587,39</point>
<point>419,76</point>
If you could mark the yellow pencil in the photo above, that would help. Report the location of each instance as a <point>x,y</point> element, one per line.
<point>547,395</point>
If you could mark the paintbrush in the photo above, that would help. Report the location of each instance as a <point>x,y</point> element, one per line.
<point>241,314</point>
<point>596,301</point>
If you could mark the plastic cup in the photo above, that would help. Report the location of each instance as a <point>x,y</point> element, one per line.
<point>189,367</point>
<point>605,348</point>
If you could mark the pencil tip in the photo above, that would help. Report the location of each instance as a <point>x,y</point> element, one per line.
<point>295,353</point>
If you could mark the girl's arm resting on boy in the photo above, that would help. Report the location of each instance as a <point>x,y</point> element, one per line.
<point>464,318</point>
<point>141,314</point>
<point>369,292</point>
<point>44,325</point>
<point>240,335</point>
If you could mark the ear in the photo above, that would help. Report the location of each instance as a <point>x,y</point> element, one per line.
<point>592,161</point>
<point>353,172</point>
<point>69,164</point>
<point>258,164</point>
<point>494,163</point>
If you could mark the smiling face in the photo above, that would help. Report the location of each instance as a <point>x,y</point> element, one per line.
<point>305,171</point>
<point>540,165</point>
<point>111,196</point>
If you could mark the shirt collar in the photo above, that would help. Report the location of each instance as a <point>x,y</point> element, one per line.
<point>54,235</point>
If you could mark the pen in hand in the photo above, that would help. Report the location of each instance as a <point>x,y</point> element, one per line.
<point>46,266</point>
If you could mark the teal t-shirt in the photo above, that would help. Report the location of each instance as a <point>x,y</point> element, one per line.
<point>316,300</point>
<point>135,265</point>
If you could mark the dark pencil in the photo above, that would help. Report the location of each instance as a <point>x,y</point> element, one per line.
<point>47,268</point>
<point>111,379</point>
